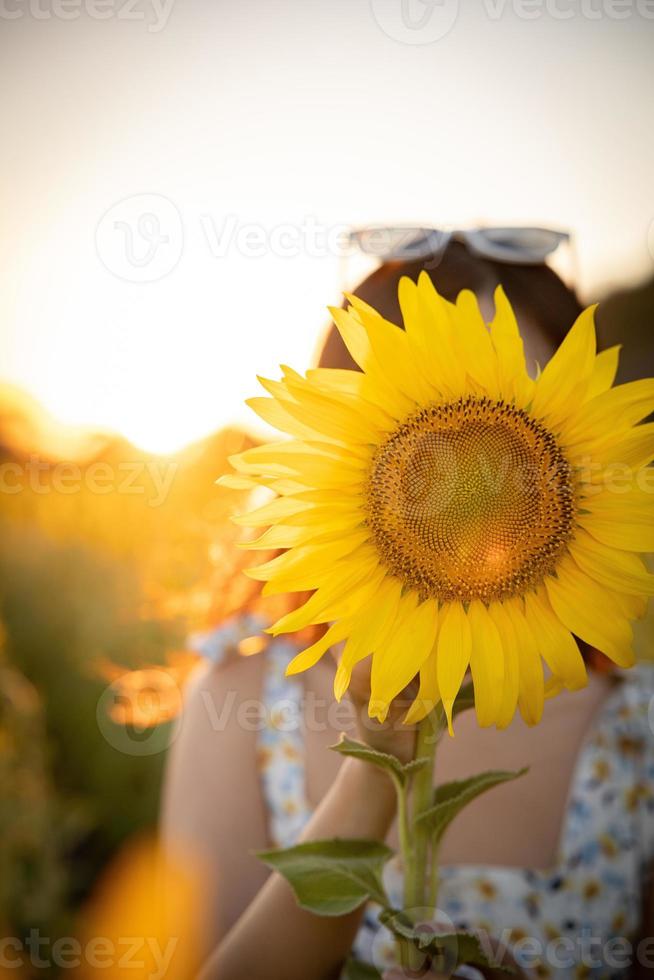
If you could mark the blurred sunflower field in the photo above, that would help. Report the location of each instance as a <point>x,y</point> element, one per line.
<point>109,558</point>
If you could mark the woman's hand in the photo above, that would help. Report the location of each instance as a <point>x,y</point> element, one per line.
<point>390,736</point>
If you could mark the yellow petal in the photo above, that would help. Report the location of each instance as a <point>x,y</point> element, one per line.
<point>511,686</point>
<point>339,598</point>
<point>486,664</point>
<point>307,558</point>
<point>344,405</point>
<point>514,381</point>
<point>433,333</point>
<point>615,410</point>
<point>530,678</point>
<point>619,571</point>
<point>236,482</point>
<point>307,658</point>
<point>355,384</point>
<point>311,574</point>
<point>565,378</point>
<point>555,642</point>
<point>423,331</point>
<point>393,349</point>
<point>275,413</point>
<point>345,515</point>
<point>276,510</point>
<point>607,458</point>
<point>376,619</point>
<point>453,657</point>
<point>553,686</point>
<point>428,694</point>
<point>475,341</point>
<point>624,532</point>
<point>605,369</point>
<point>280,457</point>
<point>358,343</point>
<point>338,421</point>
<point>589,611</point>
<point>396,662</point>
<point>632,505</point>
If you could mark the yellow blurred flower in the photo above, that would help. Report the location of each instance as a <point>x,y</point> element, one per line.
<point>450,513</point>
<point>144,918</point>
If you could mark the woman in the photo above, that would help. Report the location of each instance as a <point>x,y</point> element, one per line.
<point>559,856</point>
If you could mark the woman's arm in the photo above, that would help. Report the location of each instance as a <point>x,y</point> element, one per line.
<point>214,810</point>
<point>274,938</point>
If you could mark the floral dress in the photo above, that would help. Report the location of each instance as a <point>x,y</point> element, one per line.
<point>582,918</point>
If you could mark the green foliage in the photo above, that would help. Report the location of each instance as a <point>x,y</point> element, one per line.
<point>451,798</point>
<point>92,586</point>
<point>399,771</point>
<point>332,877</point>
<point>355,970</point>
<point>445,950</point>
<point>32,831</point>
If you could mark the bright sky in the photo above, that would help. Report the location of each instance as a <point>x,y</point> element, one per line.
<point>240,137</point>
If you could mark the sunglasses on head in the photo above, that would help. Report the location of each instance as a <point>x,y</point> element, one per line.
<point>521,246</point>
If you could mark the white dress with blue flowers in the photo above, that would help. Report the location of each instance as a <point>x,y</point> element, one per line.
<point>580,919</point>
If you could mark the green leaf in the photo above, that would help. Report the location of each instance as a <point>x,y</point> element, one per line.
<point>451,798</point>
<point>355,970</point>
<point>383,760</point>
<point>332,877</point>
<point>447,950</point>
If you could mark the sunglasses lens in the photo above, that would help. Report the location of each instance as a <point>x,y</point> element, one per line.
<point>523,245</point>
<point>399,243</point>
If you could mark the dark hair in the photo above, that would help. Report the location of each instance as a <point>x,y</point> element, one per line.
<point>536,293</point>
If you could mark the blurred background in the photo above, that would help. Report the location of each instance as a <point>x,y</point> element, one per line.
<point>178,177</point>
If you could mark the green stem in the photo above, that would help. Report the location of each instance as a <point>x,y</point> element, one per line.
<point>403,820</point>
<point>434,878</point>
<point>415,891</point>
<point>414,838</point>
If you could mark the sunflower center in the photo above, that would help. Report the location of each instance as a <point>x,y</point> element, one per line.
<point>470,500</point>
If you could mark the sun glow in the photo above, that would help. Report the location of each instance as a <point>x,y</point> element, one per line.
<point>156,259</point>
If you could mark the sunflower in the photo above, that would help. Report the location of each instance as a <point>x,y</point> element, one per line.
<point>448,513</point>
